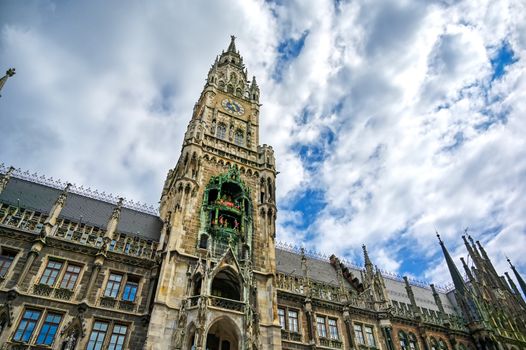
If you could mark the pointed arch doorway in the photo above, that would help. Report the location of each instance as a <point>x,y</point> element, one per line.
<point>223,334</point>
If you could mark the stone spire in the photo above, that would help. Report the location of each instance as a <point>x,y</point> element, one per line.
<point>9,73</point>
<point>367,262</point>
<point>518,277</point>
<point>5,179</point>
<point>455,274</point>
<point>494,276</point>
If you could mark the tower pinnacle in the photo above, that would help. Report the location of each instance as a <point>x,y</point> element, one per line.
<point>232,46</point>
<point>519,277</point>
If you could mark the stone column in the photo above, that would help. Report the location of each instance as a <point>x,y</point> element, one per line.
<point>310,323</point>
<point>35,251</point>
<point>348,326</point>
<point>99,261</point>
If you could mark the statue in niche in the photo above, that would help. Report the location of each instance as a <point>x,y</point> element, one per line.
<point>70,342</point>
<point>213,127</point>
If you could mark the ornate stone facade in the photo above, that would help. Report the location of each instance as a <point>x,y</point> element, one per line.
<point>81,270</point>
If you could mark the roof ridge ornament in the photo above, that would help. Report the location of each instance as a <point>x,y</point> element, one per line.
<point>80,190</point>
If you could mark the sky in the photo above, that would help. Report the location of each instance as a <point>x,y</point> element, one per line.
<point>390,120</point>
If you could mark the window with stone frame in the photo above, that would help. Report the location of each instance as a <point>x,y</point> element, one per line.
<point>27,325</point>
<point>281,317</point>
<point>358,334</point>
<point>327,327</point>
<point>321,326</point>
<point>51,272</point>
<point>333,328</point>
<point>288,319</point>
<point>293,321</point>
<point>130,289</point>
<point>113,285</point>
<point>7,256</point>
<point>97,335</point>
<point>369,336</point>
<point>48,330</point>
<point>106,334</point>
<point>47,322</point>
<point>71,276</point>
<point>118,336</point>
<point>64,271</point>
<point>122,286</point>
<point>364,335</point>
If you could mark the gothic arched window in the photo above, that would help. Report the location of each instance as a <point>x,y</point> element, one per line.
<point>230,88</point>
<point>221,131</point>
<point>413,343</point>
<point>403,341</point>
<point>434,345</point>
<point>239,138</point>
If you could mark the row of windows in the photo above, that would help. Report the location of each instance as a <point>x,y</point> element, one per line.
<point>64,274</point>
<point>239,138</point>
<point>48,323</point>
<point>71,273</point>
<point>327,327</point>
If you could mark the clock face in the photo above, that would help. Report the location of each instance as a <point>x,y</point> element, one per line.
<point>233,106</point>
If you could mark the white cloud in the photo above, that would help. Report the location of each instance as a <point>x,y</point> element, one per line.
<point>394,98</point>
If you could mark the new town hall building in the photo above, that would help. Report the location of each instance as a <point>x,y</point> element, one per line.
<point>83,270</point>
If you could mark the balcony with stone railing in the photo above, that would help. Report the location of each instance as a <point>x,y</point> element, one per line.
<point>291,336</point>
<point>113,303</point>
<point>45,290</point>
<point>331,343</point>
<point>229,304</point>
<point>76,232</point>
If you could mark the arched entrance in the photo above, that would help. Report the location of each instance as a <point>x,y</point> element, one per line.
<point>223,334</point>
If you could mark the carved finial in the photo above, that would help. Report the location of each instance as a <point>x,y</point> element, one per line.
<point>232,46</point>
<point>9,73</point>
<point>439,239</point>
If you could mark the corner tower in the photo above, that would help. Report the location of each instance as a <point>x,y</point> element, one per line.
<point>218,207</point>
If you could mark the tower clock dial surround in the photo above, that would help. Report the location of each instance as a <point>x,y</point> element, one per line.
<point>232,106</point>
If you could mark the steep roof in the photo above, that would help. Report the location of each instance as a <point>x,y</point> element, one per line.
<point>96,212</point>
<point>289,262</point>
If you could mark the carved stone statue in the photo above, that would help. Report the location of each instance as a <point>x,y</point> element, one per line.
<point>70,343</point>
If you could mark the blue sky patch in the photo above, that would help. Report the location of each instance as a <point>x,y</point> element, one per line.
<point>288,50</point>
<point>310,203</point>
<point>504,58</point>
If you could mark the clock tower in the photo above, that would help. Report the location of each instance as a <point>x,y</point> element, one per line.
<point>217,248</point>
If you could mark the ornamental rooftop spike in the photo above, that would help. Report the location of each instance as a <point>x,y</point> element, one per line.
<point>519,277</point>
<point>232,46</point>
